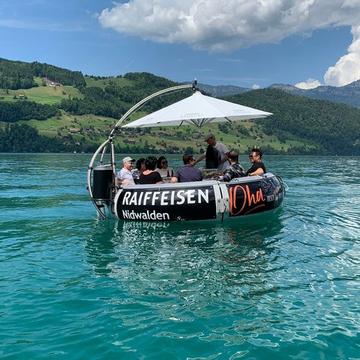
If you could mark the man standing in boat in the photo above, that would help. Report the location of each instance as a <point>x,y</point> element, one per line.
<point>215,156</point>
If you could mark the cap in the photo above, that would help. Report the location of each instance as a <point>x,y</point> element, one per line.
<point>209,136</point>
<point>127,159</point>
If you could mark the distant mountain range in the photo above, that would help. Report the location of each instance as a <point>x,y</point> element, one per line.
<point>348,94</point>
<point>222,90</point>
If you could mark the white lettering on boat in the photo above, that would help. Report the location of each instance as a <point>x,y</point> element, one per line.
<point>147,215</point>
<point>181,197</point>
<point>132,200</point>
<point>166,197</point>
<point>190,197</point>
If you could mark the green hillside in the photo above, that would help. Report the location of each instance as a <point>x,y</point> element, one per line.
<point>21,75</point>
<point>72,112</point>
<point>334,127</point>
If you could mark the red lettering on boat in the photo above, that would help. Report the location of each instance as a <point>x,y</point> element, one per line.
<point>249,198</point>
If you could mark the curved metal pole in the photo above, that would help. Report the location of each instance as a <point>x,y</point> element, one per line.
<point>89,172</point>
<point>103,154</point>
<point>112,156</point>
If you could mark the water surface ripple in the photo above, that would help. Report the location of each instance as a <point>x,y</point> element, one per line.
<point>282,286</point>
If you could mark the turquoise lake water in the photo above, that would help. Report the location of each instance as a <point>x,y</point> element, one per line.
<point>282,286</point>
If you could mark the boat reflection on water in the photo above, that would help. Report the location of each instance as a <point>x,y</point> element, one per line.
<point>181,280</point>
<point>150,255</point>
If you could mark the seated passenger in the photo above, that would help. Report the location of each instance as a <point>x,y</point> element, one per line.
<point>149,175</point>
<point>235,170</point>
<point>163,169</point>
<point>124,176</point>
<point>258,167</point>
<point>140,167</point>
<point>188,172</point>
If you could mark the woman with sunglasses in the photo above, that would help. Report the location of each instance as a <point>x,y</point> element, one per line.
<point>258,167</point>
<point>163,169</point>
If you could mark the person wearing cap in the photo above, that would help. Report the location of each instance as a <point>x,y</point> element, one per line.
<point>215,156</point>
<point>124,176</point>
<point>235,170</point>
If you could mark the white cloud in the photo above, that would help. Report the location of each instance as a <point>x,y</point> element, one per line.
<point>308,84</point>
<point>227,24</point>
<point>347,69</point>
<point>255,87</point>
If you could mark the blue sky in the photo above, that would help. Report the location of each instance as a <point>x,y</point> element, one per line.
<point>74,35</point>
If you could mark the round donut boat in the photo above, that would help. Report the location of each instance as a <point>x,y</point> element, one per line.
<point>202,200</point>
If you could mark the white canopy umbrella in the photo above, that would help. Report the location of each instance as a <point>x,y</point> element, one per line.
<point>198,110</point>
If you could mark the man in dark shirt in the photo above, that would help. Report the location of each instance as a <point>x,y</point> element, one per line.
<point>215,155</point>
<point>188,172</point>
<point>258,167</point>
<point>212,157</point>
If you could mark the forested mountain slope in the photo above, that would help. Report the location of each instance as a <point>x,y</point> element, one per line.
<point>334,127</point>
<point>63,110</point>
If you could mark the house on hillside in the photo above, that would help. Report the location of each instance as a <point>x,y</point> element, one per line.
<point>51,83</point>
<point>74,130</point>
<point>126,141</point>
<point>20,96</point>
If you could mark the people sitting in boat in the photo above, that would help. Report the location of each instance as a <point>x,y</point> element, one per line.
<point>258,167</point>
<point>163,169</point>
<point>235,170</point>
<point>139,169</point>
<point>188,172</point>
<point>215,155</point>
<point>124,176</point>
<point>149,175</point>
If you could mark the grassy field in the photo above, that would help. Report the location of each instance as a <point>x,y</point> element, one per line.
<point>41,94</point>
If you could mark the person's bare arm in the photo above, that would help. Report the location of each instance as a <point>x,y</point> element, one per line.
<point>259,172</point>
<point>200,158</point>
<point>174,179</point>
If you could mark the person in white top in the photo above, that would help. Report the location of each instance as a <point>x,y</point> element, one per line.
<point>124,176</point>
<point>163,169</point>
